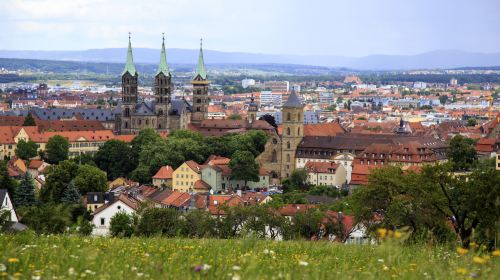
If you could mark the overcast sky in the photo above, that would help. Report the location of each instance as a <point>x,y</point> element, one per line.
<point>308,27</point>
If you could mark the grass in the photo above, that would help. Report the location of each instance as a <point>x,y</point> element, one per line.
<point>27,256</point>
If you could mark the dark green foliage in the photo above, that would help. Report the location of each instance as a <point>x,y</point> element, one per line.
<point>47,218</point>
<point>25,192</point>
<point>87,159</point>
<point>90,179</point>
<point>26,150</point>
<point>312,224</point>
<point>71,193</point>
<point>462,152</point>
<point>57,179</point>
<point>115,158</point>
<point>29,120</point>
<point>199,224</point>
<point>325,190</point>
<point>159,221</point>
<point>6,182</point>
<point>243,167</point>
<point>296,181</point>
<point>471,122</point>
<point>146,137</point>
<point>426,107</point>
<point>85,227</point>
<point>57,149</point>
<point>270,120</point>
<point>122,225</point>
<point>235,117</point>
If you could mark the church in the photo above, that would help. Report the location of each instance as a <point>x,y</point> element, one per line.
<point>164,114</point>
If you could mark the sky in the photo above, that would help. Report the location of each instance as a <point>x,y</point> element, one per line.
<point>304,27</point>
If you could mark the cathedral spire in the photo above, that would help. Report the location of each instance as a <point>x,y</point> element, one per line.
<point>129,65</point>
<point>200,70</point>
<point>163,67</point>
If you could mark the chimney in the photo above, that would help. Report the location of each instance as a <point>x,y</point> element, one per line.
<point>238,193</point>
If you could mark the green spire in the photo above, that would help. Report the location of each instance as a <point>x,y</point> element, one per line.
<point>200,70</point>
<point>129,65</point>
<point>163,67</point>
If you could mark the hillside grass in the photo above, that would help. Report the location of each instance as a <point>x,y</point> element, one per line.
<point>27,256</point>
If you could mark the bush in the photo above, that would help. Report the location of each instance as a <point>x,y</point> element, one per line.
<point>122,225</point>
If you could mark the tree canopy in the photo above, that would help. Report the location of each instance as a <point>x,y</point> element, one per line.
<point>57,149</point>
<point>26,149</point>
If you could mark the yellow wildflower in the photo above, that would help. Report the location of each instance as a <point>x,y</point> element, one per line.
<point>13,260</point>
<point>397,234</point>
<point>473,244</point>
<point>382,232</point>
<point>462,251</point>
<point>18,274</point>
<point>3,274</point>
<point>462,271</point>
<point>496,253</point>
<point>478,260</point>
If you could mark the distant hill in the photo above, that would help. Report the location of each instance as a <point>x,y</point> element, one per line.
<point>443,59</point>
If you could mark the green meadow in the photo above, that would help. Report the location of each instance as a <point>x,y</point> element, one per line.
<point>28,256</point>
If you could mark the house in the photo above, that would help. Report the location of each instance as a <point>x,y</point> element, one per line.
<point>103,215</point>
<point>185,176</point>
<point>6,204</point>
<point>121,182</point>
<point>218,176</point>
<point>94,200</point>
<point>163,177</point>
<point>326,173</point>
<point>37,167</point>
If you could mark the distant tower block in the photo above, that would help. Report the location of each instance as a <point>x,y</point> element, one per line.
<point>200,84</point>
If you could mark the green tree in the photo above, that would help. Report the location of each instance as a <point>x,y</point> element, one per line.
<point>90,179</point>
<point>114,158</point>
<point>155,221</point>
<point>199,224</point>
<point>296,181</point>
<point>47,218</point>
<point>57,149</point>
<point>243,167</point>
<point>270,120</point>
<point>57,180</point>
<point>26,150</point>
<point>25,193</point>
<point>71,194</point>
<point>85,226</point>
<point>349,104</point>
<point>121,225</point>
<point>235,117</point>
<point>443,99</point>
<point>29,120</point>
<point>6,182</point>
<point>312,224</point>
<point>145,138</point>
<point>462,152</point>
<point>471,122</point>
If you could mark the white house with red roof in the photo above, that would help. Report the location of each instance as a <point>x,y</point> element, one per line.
<point>103,215</point>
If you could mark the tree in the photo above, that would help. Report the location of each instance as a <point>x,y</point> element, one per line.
<point>57,149</point>
<point>71,194</point>
<point>332,107</point>
<point>121,225</point>
<point>25,193</point>
<point>270,120</point>
<point>6,182</point>
<point>90,179</point>
<point>462,152</point>
<point>349,104</point>
<point>115,158</point>
<point>47,218</point>
<point>235,117</point>
<point>198,223</point>
<point>426,107</point>
<point>26,150</point>
<point>57,180</point>
<point>85,227</point>
<point>471,122</point>
<point>296,181</point>
<point>29,120</point>
<point>243,167</point>
<point>312,224</point>
<point>164,221</point>
<point>145,138</point>
<point>443,99</point>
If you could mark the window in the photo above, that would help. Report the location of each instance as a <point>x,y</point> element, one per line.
<point>103,220</point>
<point>288,116</point>
<point>287,157</point>
<point>287,131</point>
<point>288,145</point>
<point>119,207</point>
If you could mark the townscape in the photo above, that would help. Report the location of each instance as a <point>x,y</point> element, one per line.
<point>261,171</point>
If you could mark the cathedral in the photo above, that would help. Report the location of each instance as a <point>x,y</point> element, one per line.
<point>164,114</point>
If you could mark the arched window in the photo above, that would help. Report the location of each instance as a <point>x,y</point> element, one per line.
<point>288,116</point>
<point>127,112</point>
<point>274,157</point>
<point>126,124</point>
<point>160,112</point>
<point>287,131</point>
<point>298,131</point>
<point>298,117</point>
<point>287,157</point>
<point>275,141</point>
<point>288,145</point>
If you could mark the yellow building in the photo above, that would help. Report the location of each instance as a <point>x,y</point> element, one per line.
<point>185,176</point>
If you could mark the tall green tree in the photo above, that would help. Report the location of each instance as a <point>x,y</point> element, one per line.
<point>57,149</point>
<point>71,194</point>
<point>114,158</point>
<point>164,221</point>
<point>122,225</point>
<point>57,180</point>
<point>90,179</point>
<point>145,138</point>
<point>6,182</point>
<point>243,167</point>
<point>25,193</point>
<point>26,149</point>
<point>462,152</point>
<point>297,181</point>
<point>29,120</point>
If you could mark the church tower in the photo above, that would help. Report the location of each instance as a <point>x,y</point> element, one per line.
<point>129,91</point>
<point>200,84</point>
<point>163,91</point>
<point>292,134</point>
<point>253,108</point>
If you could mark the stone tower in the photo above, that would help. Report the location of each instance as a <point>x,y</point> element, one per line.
<point>200,84</point>
<point>253,108</point>
<point>163,91</point>
<point>292,134</point>
<point>129,91</point>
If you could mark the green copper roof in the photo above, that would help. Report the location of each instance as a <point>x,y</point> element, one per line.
<point>163,67</point>
<point>129,65</point>
<point>200,70</point>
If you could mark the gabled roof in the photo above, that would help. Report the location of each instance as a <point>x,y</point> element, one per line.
<point>193,165</point>
<point>129,65</point>
<point>201,185</point>
<point>130,202</point>
<point>293,101</point>
<point>165,172</point>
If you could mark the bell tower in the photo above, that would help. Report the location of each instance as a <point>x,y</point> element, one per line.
<point>129,91</point>
<point>253,108</point>
<point>200,84</point>
<point>292,134</point>
<point>163,90</point>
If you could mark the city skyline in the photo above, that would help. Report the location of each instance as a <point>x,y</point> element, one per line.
<point>357,28</point>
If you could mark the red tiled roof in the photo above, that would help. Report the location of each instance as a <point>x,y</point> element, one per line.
<point>323,129</point>
<point>165,172</point>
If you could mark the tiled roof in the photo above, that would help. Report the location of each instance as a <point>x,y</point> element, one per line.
<point>165,172</point>
<point>323,129</point>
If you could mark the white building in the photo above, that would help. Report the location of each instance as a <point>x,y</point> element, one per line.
<point>6,204</point>
<point>103,214</point>
<point>270,98</point>
<point>247,83</point>
<point>419,85</point>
